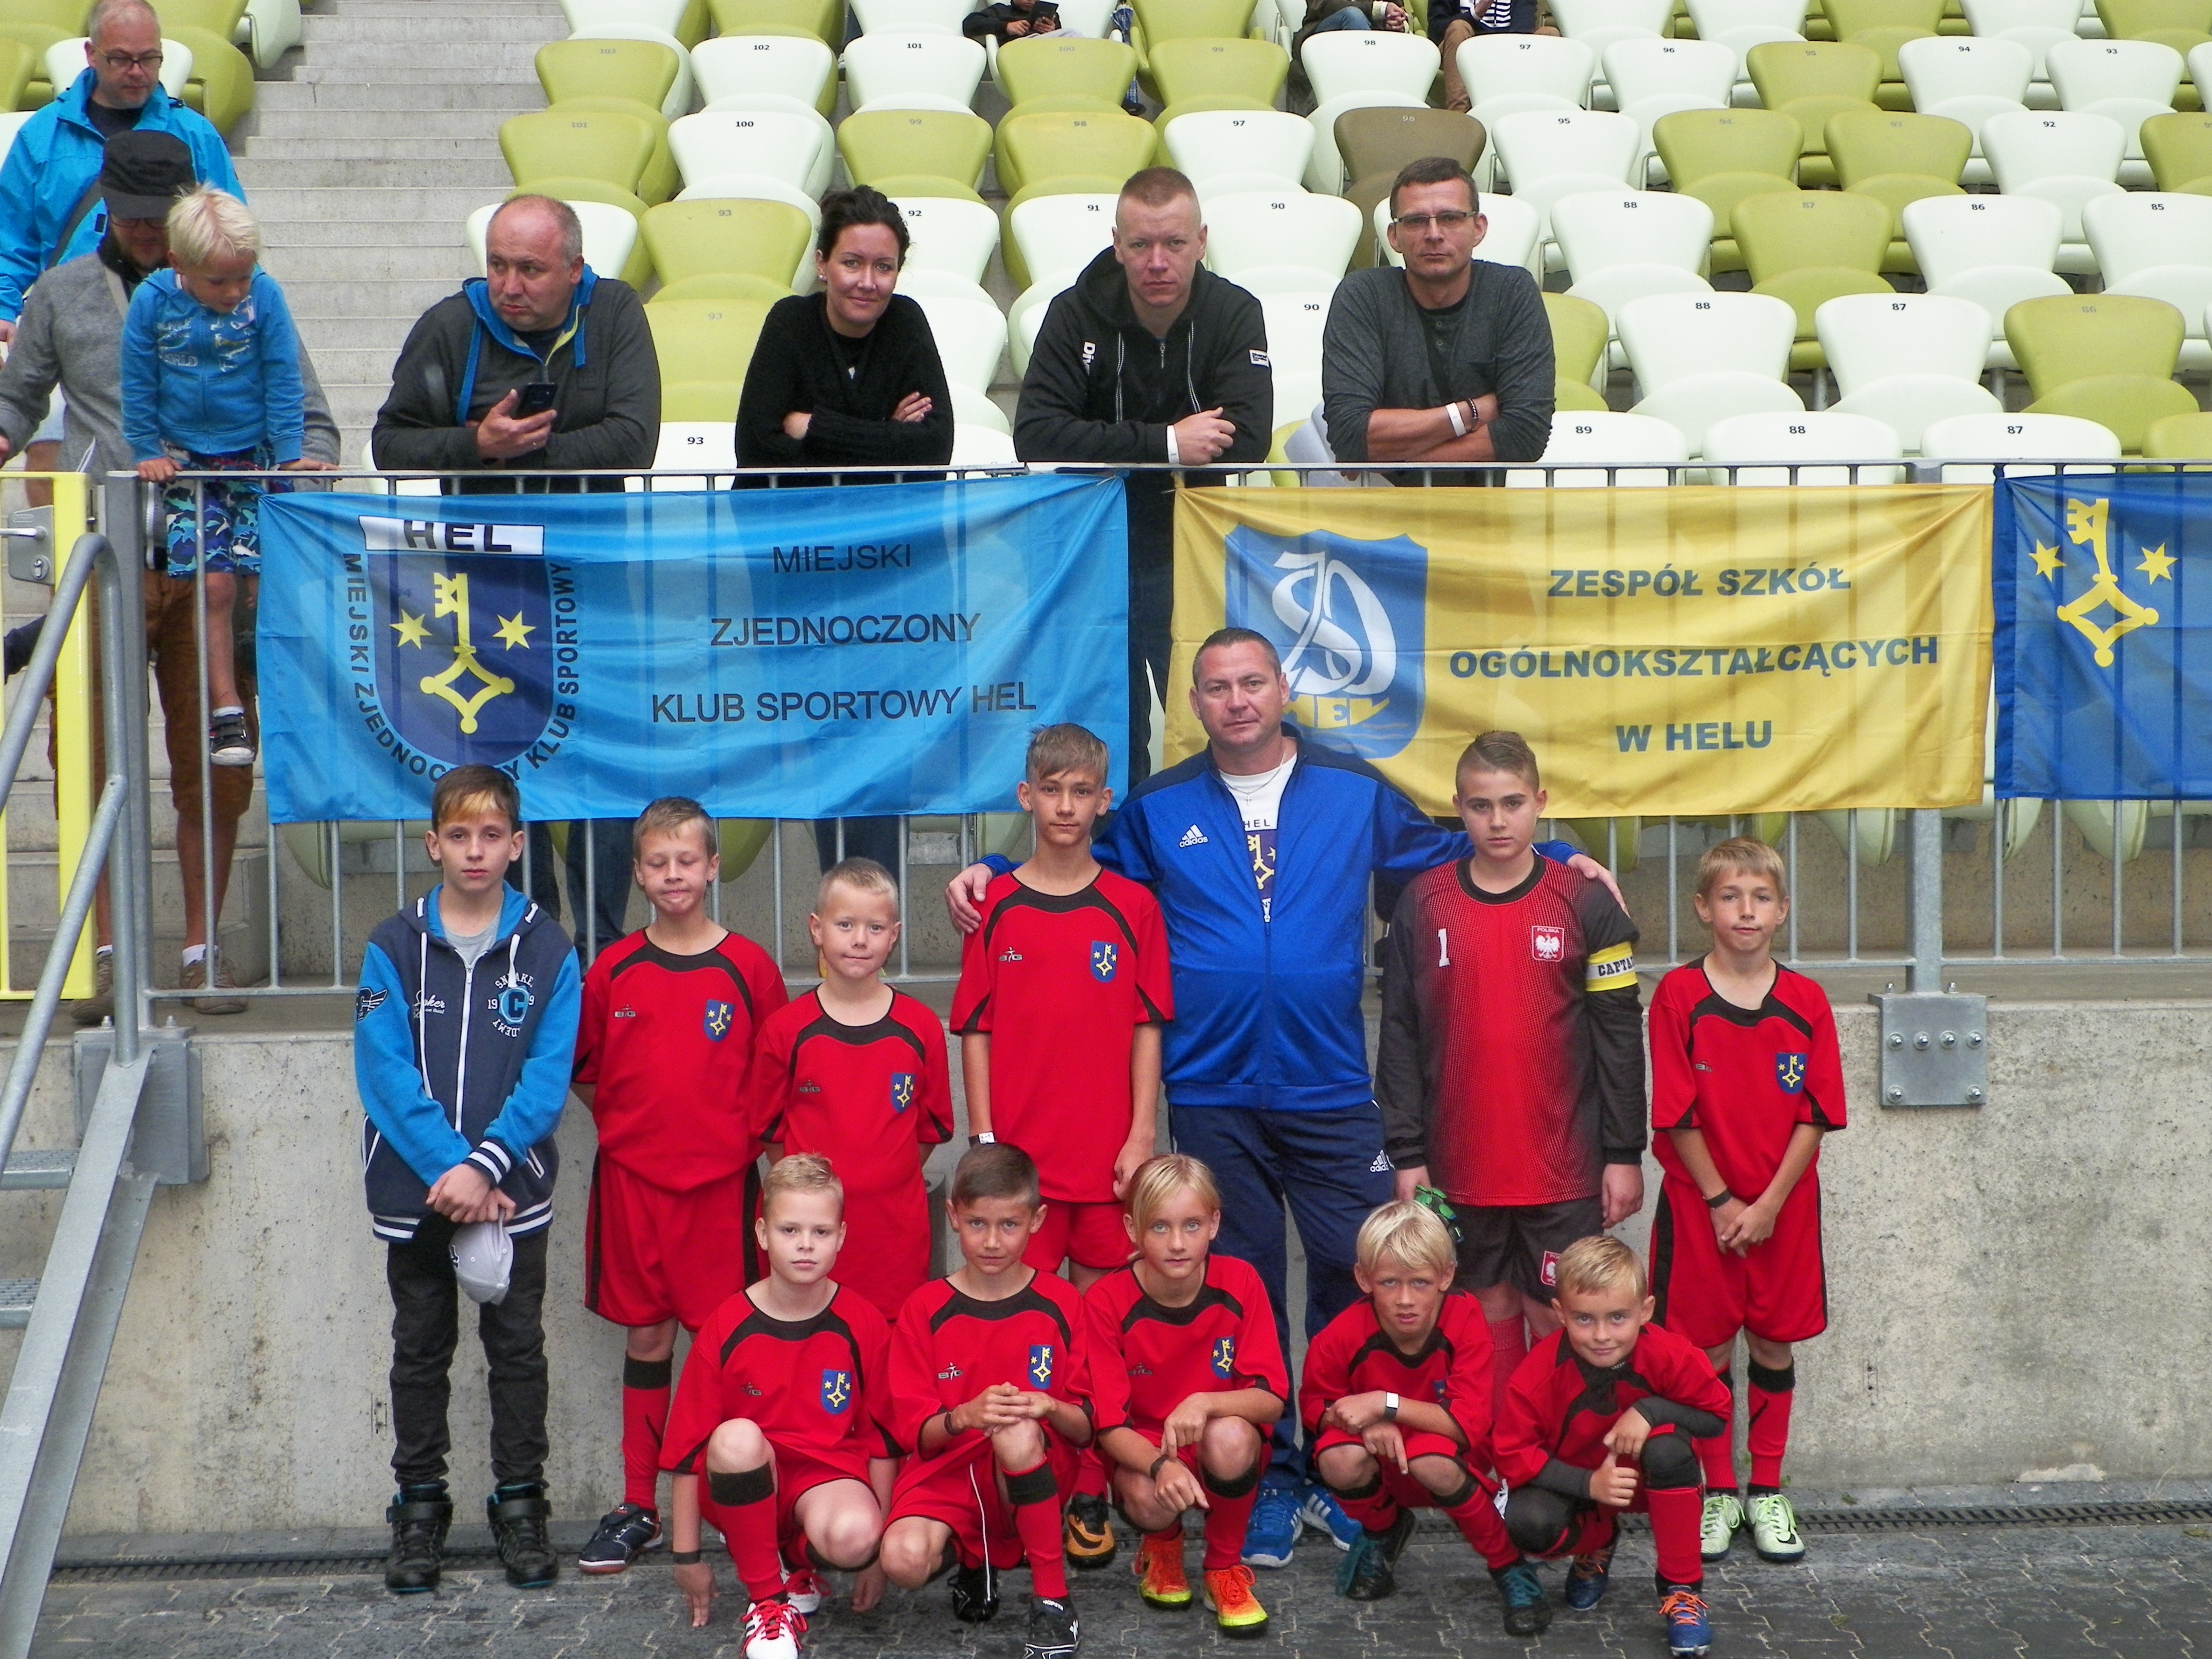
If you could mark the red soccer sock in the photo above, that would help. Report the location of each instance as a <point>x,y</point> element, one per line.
<point>1717,1454</point>
<point>1091,1473</point>
<point>1768,1407</point>
<point>1676,1512</point>
<point>1035,1496</point>
<point>743,1507</point>
<point>1476,1517</point>
<point>1508,1346</point>
<point>1373,1508</point>
<point>1229,1512</point>
<point>644,1418</point>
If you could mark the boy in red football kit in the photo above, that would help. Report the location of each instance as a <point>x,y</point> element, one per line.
<point>1062,991</point>
<point>1511,1069</point>
<point>991,1390</point>
<point>782,1403</point>
<point>1186,1375</point>
<point>1396,1399</point>
<point>1599,1420</point>
<point>1745,1078</point>
<point>661,1050</point>
<point>856,1071</point>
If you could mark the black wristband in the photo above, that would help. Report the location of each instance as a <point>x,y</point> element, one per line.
<point>1723,1196</point>
<point>684,1557</point>
<point>947,1415</point>
<point>1158,1464</point>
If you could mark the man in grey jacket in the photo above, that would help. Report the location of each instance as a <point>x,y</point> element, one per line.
<point>70,336</point>
<point>1448,359</point>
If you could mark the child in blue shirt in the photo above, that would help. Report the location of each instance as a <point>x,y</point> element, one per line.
<point>211,383</point>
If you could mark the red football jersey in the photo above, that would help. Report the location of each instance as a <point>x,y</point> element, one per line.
<point>948,1347</point>
<point>665,1041</point>
<point>1452,1368</point>
<point>1512,1054</point>
<point>1557,1407</point>
<point>1746,1077</point>
<point>1146,1359</point>
<point>819,1385</point>
<point>1061,982</point>
<point>868,1099</point>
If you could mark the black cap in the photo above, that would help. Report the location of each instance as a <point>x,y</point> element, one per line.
<point>143,174</point>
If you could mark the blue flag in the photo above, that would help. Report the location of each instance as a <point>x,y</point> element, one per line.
<point>775,653</point>
<point>2104,637</point>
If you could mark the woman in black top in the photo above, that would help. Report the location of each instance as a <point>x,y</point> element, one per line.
<point>849,374</point>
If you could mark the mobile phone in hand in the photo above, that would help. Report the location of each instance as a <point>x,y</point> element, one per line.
<point>536,398</point>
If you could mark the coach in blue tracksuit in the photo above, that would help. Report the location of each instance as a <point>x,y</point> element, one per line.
<point>1261,850</point>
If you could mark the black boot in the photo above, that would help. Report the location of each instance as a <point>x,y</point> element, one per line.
<point>419,1517</point>
<point>518,1514</point>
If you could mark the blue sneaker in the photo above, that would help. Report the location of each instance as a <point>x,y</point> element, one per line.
<point>1320,1511</point>
<point>1587,1577</point>
<point>1689,1632</point>
<point>1275,1527</point>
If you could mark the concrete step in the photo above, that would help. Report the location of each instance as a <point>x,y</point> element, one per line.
<point>33,911</point>
<point>326,334</point>
<point>365,211</point>
<point>320,87</point>
<point>32,828</point>
<point>338,172</point>
<point>443,60</point>
<point>440,249</point>
<point>338,124</point>
<point>408,298</point>
<point>357,365</point>
<point>427,26</point>
<point>267,158</point>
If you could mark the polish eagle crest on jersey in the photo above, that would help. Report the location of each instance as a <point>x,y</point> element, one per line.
<point>902,1090</point>
<point>1789,1074</point>
<point>1105,961</point>
<point>836,1392</point>
<point>1041,1365</point>
<point>1548,944</point>
<point>1224,1357</point>
<point>718,1019</point>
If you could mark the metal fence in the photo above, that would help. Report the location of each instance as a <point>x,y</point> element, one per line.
<point>2009,882</point>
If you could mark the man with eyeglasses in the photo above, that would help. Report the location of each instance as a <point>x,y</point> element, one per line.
<point>1448,359</point>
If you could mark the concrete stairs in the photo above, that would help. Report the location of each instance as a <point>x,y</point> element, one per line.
<point>365,163</point>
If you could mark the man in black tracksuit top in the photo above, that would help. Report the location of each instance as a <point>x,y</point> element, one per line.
<point>1149,357</point>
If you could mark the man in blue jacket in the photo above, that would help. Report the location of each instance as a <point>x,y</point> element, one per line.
<point>1260,850</point>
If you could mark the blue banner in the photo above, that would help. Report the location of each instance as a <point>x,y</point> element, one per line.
<point>2104,637</point>
<point>775,653</point>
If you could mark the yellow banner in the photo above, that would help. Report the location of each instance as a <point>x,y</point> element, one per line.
<point>1687,650</point>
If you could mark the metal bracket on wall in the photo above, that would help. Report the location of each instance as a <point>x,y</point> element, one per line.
<point>169,1139</point>
<point>30,536</point>
<point>1935,1049</point>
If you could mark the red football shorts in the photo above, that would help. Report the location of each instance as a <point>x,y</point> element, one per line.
<point>1777,1291</point>
<point>960,1488</point>
<point>797,1474</point>
<point>1404,1489</point>
<point>1088,1235</point>
<point>652,1254</point>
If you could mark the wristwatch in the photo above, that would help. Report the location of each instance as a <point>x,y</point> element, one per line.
<point>1390,1407</point>
<point>986,1138</point>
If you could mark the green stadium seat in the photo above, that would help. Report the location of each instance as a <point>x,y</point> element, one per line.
<point>643,71</point>
<point>701,400</point>
<point>2126,405</point>
<point>770,240</point>
<point>1048,65</point>
<point>705,339</point>
<point>660,179</point>
<point>220,87</point>
<point>2178,437</point>
<point>1568,394</point>
<point>1049,143</point>
<point>1722,156</point>
<point>1195,68</point>
<point>611,146</point>
<point>1806,248</point>
<point>2179,150</point>
<point>2181,24</point>
<point>886,144</point>
<point>902,185</point>
<point>822,20</point>
<point>1898,158</point>
<point>2063,338</point>
<point>1881,26</point>
<point>1810,84</point>
<point>1579,333</point>
<point>724,285</point>
<point>18,64</point>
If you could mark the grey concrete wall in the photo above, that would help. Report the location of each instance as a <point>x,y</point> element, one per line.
<point>2015,1289</point>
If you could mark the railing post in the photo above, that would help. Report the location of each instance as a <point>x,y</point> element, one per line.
<point>1924,902</point>
<point>129,872</point>
<point>123,682</point>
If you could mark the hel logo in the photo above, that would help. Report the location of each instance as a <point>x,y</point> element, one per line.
<point>513,1003</point>
<point>1789,1074</point>
<point>1348,617</point>
<point>719,1017</point>
<point>1224,1356</point>
<point>1041,1365</point>
<point>902,1090</point>
<point>836,1392</point>
<point>1105,961</point>
<point>1550,1271</point>
<point>1548,944</point>
<point>367,1002</point>
<point>464,641</point>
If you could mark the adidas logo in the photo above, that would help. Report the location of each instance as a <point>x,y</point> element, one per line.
<point>1381,1165</point>
<point>1192,837</point>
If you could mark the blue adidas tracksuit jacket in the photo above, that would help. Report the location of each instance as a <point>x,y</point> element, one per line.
<point>463,1064</point>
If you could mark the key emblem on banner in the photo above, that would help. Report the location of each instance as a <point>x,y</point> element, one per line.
<point>2088,525</point>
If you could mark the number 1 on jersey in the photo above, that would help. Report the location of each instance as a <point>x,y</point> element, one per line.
<point>1443,950</point>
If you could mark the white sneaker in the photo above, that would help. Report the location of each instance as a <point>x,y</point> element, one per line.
<point>1722,1520</point>
<point>772,1630</point>
<point>1774,1528</point>
<point>804,1589</point>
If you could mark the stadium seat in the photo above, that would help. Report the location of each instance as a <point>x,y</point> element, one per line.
<point>2181,24</point>
<point>2010,439</point>
<point>677,101</point>
<point>1994,250</point>
<point>1056,143</point>
<point>1378,140</point>
<point>2178,437</point>
<point>1549,155</point>
<point>1203,67</point>
<point>1608,439</point>
<point>2130,80</point>
<point>1810,84</point>
<point>1026,315</point>
<point>1909,403</point>
<point>885,143</point>
<point>1047,64</point>
<point>642,70</point>
<point>609,236</point>
<point>1620,245</point>
<point>1579,332</point>
<point>791,145</point>
<point>2109,358</point>
<point>704,339</point>
<point>1898,157</point>
<point>949,234</point>
<point>701,400</point>
<point>751,187</point>
<point>2178,147</point>
<point>1233,183</point>
<point>972,408</point>
<point>1046,233</point>
<point>1339,61</point>
<point>1808,248</point>
<point>2158,246</point>
<point>1882,26</point>
<point>1652,78</point>
<point>1873,337</point>
<point>711,446</point>
<point>1288,227</point>
<point>18,63</point>
<point>1789,441</point>
<point>819,19</point>
<point>1500,65</point>
<point>910,16</point>
<point>660,179</point>
<point>772,240</point>
<point>611,146</point>
<point>2128,405</point>
<point>1723,157</point>
<point>882,65</point>
<point>1296,396</point>
<point>11,122</point>
<point>220,18</point>
<point>1207,143</point>
<point>1602,24</point>
<point>975,445</point>
<point>1325,170</point>
<point>2065,156</point>
<point>1740,25</point>
<point>970,335</point>
<point>725,285</point>
<point>1701,358</point>
<point>1158,21</point>
<point>666,16</point>
<point>1967,81</point>
<point>1294,322</point>
<point>797,66</point>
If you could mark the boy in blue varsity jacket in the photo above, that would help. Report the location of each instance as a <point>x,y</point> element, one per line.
<point>464,1029</point>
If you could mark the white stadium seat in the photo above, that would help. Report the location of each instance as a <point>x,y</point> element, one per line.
<point>1600,24</point>
<point>1062,233</point>
<point>1608,439</point>
<point>1277,229</point>
<point>1994,250</point>
<point>910,16</point>
<point>982,446</point>
<point>972,408</point>
<point>1025,317</point>
<point>1551,154</point>
<point>1870,336</point>
<point>2016,438</point>
<point>1341,61</point>
<point>1294,322</point>
<point>2039,24</point>
<point>1743,440</point>
<point>1966,80</point>
<point>1703,358</point>
<point>1653,78</point>
<point>879,65</point>
<point>1207,144</point>
<point>709,445</point>
<point>946,233</point>
<point>970,335</point>
<point>787,145</point>
<point>1493,66</point>
<point>795,65</point>
<point>2160,247</point>
<point>2066,156</point>
<point>1909,403</point>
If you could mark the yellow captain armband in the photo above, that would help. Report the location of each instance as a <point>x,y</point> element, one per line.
<point>1610,970</point>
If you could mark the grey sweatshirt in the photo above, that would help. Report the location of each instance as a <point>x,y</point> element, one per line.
<point>1376,354</point>
<point>70,335</point>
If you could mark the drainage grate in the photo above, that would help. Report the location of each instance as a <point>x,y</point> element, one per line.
<point>2151,1513</point>
<point>164,1568</point>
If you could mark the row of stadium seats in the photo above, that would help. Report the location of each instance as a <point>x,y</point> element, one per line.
<point>205,45</point>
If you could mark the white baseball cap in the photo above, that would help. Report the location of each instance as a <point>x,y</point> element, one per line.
<point>483,1257</point>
